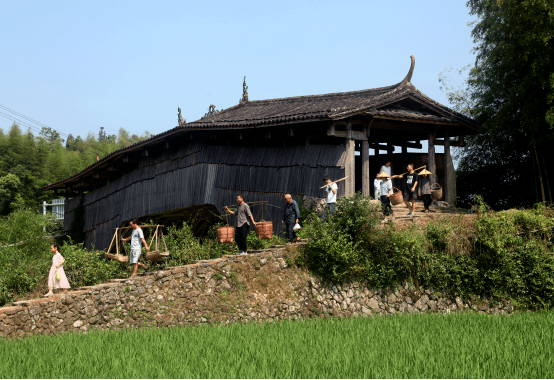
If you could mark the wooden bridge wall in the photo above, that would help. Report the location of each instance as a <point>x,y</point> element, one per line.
<point>197,174</point>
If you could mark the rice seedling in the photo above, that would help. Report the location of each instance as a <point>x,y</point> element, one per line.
<point>465,345</point>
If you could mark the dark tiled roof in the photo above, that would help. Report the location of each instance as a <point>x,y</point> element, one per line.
<point>410,114</point>
<point>320,107</point>
<point>332,106</point>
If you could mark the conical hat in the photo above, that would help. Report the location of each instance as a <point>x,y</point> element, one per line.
<point>425,171</point>
<point>383,175</point>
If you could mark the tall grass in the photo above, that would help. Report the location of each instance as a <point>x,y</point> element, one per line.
<point>416,346</point>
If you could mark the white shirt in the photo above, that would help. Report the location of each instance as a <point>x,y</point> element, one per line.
<point>377,186</point>
<point>385,187</point>
<point>386,169</point>
<point>331,197</point>
<point>136,236</point>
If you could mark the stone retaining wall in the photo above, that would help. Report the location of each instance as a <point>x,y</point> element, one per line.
<point>262,286</point>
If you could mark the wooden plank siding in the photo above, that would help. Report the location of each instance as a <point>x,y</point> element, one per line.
<point>196,173</point>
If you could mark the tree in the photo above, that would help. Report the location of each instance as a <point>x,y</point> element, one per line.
<point>510,91</point>
<point>10,197</point>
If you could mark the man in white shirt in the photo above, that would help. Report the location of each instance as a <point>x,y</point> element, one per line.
<point>386,168</point>
<point>137,239</point>
<point>331,190</point>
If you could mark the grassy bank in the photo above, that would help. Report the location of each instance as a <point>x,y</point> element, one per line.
<point>493,255</point>
<point>26,257</point>
<point>417,346</point>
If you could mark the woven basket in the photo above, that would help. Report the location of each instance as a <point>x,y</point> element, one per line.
<point>436,191</point>
<point>155,255</point>
<point>264,230</point>
<point>396,198</point>
<point>226,235</point>
<point>117,257</point>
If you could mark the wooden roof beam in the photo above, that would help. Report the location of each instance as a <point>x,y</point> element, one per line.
<point>460,143</point>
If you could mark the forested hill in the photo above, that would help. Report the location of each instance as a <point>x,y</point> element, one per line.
<point>29,162</point>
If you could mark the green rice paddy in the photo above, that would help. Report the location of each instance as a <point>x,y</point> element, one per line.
<point>419,346</point>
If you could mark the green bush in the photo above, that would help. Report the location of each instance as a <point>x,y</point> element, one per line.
<point>507,254</point>
<point>84,268</point>
<point>24,252</point>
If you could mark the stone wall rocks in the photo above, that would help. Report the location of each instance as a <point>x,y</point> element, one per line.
<point>257,287</point>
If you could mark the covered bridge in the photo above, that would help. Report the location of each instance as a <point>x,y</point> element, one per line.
<point>264,149</point>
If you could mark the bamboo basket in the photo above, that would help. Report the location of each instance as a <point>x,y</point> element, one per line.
<point>156,254</point>
<point>396,198</point>
<point>117,257</point>
<point>264,230</point>
<point>436,191</point>
<point>226,235</point>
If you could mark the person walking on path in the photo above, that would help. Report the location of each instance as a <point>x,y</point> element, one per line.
<point>377,187</point>
<point>425,188</point>
<point>410,190</point>
<point>137,240</point>
<point>386,192</point>
<point>331,190</point>
<point>291,217</point>
<point>243,224</point>
<point>56,277</point>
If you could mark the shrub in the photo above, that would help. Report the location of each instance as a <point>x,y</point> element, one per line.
<point>495,255</point>
<point>85,268</point>
<point>24,252</point>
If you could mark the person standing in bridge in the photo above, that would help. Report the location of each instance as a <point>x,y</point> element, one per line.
<point>386,192</point>
<point>291,217</point>
<point>331,190</point>
<point>410,190</point>
<point>377,187</point>
<point>243,224</point>
<point>137,240</point>
<point>425,189</point>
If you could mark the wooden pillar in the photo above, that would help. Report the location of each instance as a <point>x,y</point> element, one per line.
<point>431,154</point>
<point>349,165</point>
<point>365,164</point>
<point>446,168</point>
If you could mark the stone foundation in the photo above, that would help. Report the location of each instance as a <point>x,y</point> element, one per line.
<point>262,286</point>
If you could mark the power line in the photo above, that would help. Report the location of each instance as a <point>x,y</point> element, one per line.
<point>32,120</point>
<point>9,117</point>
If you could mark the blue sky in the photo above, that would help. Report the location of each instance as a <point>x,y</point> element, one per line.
<point>77,66</point>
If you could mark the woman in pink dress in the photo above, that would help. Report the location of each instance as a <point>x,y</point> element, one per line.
<point>56,282</point>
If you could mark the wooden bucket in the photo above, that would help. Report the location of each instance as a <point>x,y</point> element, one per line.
<point>155,255</point>
<point>264,230</point>
<point>396,198</point>
<point>117,257</point>
<point>436,191</point>
<point>225,235</point>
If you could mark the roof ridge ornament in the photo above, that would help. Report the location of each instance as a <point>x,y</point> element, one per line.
<point>244,91</point>
<point>180,119</point>
<point>408,78</point>
<point>211,111</point>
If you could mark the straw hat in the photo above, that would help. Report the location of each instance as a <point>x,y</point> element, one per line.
<point>383,175</point>
<point>425,171</point>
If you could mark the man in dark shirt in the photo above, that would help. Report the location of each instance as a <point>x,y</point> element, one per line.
<point>243,224</point>
<point>410,190</point>
<point>291,217</point>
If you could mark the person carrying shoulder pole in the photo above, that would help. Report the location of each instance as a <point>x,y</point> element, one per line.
<point>426,189</point>
<point>410,191</point>
<point>137,239</point>
<point>331,190</point>
<point>243,224</point>
<point>291,217</point>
